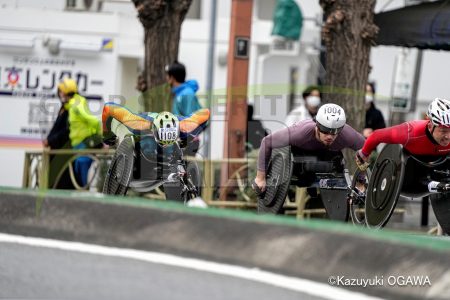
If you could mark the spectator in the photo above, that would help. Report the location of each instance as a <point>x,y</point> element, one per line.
<point>58,138</point>
<point>374,117</point>
<point>185,102</point>
<point>312,97</point>
<point>85,129</point>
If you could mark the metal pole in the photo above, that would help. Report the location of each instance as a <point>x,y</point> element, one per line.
<point>415,87</point>
<point>210,72</point>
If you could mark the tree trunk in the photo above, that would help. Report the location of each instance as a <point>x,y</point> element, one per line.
<point>162,21</point>
<point>348,33</point>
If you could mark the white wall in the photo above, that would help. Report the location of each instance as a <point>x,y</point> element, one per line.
<point>434,80</point>
<point>99,67</point>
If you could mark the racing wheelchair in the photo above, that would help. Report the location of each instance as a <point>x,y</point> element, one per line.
<point>135,166</point>
<point>315,170</point>
<point>398,173</point>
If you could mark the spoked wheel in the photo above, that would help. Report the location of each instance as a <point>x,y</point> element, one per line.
<point>360,183</point>
<point>120,169</point>
<point>279,174</point>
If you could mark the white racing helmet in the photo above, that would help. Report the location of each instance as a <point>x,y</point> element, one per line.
<point>439,112</point>
<point>166,128</point>
<point>330,118</point>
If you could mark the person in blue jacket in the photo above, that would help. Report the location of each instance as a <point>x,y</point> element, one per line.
<point>185,102</point>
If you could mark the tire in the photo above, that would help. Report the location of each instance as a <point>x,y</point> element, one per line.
<point>358,202</point>
<point>193,181</point>
<point>193,172</point>
<point>278,179</point>
<point>120,169</point>
<point>441,208</point>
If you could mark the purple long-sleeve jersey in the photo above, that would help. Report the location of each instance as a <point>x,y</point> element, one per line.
<point>302,135</point>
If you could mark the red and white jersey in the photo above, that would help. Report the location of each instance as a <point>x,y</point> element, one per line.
<point>413,135</point>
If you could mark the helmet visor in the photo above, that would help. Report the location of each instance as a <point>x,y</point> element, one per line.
<point>326,130</point>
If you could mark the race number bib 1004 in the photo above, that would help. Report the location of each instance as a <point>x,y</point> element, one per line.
<point>168,134</point>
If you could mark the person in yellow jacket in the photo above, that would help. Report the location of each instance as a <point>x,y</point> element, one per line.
<point>85,129</point>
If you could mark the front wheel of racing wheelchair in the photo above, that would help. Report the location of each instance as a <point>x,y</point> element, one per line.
<point>120,169</point>
<point>131,167</point>
<point>398,173</point>
<point>319,171</point>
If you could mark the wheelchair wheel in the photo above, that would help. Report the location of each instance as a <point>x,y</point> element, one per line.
<point>120,169</point>
<point>279,174</point>
<point>385,186</point>
<point>441,209</point>
<point>193,172</point>
<point>360,183</point>
<point>192,181</point>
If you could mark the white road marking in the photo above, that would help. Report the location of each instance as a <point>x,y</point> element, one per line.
<point>291,283</point>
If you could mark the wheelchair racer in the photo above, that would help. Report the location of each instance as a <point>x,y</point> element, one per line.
<point>327,133</point>
<point>165,127</point>
<point>421,137</point>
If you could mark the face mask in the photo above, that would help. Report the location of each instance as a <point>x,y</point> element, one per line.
<point>313,101</point>
<point>369,98</point>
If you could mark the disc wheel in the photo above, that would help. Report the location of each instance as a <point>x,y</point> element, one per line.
<point>441,208</point>
<point>192,181</point>
<point>120,169</point>
<point>278,178</point>
<point>385,186</point>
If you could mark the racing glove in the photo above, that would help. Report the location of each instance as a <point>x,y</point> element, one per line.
<point>361,160</point>
<point>438,187</point>
<point>257,189</point>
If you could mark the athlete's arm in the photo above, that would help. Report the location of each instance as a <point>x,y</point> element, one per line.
<point>353,139</point>
<point>135,123</point>
<point>392,135</point>
<point>275,140</point>
<point>195,123</point>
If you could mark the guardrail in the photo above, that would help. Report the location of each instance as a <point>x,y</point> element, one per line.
<point>37,169</point>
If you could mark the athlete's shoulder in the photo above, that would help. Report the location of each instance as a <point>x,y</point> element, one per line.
<point>418,123</point>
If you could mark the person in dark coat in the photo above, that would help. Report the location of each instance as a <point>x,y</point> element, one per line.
<point>374,117</point>
<point>58,138</point>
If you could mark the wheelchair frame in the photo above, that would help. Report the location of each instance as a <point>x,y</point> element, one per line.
<point>280,175</point>
<point>125,167</point>
<point>396,158</point>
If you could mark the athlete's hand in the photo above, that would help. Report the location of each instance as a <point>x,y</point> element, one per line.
<point>361,160</point>
<point>259,184</point>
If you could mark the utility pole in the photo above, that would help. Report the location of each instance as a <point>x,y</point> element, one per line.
<point>210,71</point>
<point>237,81</point>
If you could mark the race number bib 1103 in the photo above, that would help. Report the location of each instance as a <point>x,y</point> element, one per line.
<point>168,134</point>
